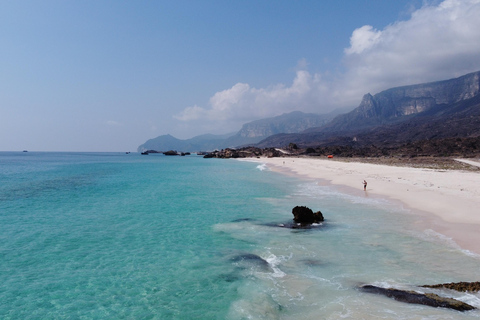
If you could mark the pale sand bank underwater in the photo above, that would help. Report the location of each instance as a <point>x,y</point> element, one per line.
<point>446,201</point>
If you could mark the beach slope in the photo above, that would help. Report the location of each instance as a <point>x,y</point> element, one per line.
<point>446,201</point>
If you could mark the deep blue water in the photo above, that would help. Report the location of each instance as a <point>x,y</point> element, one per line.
<point>126,236</point>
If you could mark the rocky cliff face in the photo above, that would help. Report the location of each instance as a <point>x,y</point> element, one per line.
<point>394,104</point>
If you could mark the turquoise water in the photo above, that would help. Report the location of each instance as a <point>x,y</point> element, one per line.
<point>125,236</point>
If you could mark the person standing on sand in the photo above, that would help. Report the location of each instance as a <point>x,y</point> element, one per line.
<point>364,185</point>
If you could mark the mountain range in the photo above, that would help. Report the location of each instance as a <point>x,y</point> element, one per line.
<point>435,110</point>
<point>250,133</point>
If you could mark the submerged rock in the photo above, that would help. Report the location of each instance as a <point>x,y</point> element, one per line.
<point>250,259</point>
<point>428,299</point>
<point>243,220</point>
<point>304,215</point>
<point>458,286</point>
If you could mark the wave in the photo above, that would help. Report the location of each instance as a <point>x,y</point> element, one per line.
<point>262,167</point>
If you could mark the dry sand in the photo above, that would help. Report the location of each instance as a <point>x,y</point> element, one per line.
<point>446,201</point>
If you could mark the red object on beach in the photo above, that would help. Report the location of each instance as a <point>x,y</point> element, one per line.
<point>330,156</point>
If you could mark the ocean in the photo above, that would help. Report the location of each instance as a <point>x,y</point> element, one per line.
<point>129,236</point>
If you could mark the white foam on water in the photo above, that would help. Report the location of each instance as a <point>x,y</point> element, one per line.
<point>274,261</point>
<point>262,167</point>
<point>472,299</point>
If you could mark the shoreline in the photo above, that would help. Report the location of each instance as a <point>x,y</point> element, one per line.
<point>445,201</point>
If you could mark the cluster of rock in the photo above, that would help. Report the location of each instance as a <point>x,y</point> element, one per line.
<point>247,152</point>
<point>167,153</point>
<point>175,153</point>
<point>344,147</point>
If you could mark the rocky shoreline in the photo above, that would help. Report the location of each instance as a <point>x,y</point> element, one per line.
<point>413,161</point>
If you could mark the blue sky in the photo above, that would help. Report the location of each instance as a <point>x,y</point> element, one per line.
<point>108,75</point>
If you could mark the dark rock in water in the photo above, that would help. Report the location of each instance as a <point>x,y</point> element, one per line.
<point>243,219</point>
<point>458,286</point>
<point>313,263</point>
<point>229,277</point>
<point>251,258</point>
<point>171,153</point>
<point>428,299</point>
<point>294,225</point>
<point>304,215</point>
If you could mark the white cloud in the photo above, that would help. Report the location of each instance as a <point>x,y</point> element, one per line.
<point>437,42</point>
<point>362,39</point>
<point>243,103</point>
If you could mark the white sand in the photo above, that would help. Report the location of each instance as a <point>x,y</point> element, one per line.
<point>447,202</point>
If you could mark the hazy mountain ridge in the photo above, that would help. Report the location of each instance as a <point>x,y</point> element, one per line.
<point>292,122</point>
<point>250,133</point>
<point>198,143</point>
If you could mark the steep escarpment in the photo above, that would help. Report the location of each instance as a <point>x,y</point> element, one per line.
<point>401,103</point>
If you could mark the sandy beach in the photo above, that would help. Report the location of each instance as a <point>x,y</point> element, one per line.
<point>446,201</point>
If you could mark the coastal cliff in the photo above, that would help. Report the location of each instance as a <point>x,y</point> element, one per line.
<point>398,116</point>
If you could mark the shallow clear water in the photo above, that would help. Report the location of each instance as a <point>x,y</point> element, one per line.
<point>117,236</point>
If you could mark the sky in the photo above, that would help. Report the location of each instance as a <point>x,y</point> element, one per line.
<point>109,75</point>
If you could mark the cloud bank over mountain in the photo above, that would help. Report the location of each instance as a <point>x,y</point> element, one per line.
<point>438,41</point>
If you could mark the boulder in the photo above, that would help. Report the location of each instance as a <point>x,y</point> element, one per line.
<point>428,299</point>
<point>305,215</point>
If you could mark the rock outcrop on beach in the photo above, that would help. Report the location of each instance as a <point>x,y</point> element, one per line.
<point>248,152</point>
<point>457,286</point>
<point>305,215</point>
<point>428,299</point>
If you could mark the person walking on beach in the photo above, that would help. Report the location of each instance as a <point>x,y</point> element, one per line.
<point>365,185</point>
